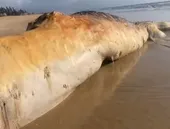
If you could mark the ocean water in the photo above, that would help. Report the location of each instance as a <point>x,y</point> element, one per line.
<point>144,15</point>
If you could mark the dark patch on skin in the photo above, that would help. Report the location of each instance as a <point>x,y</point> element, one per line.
<point>145,23</point>
<point>100,15</point>
<point>37,22</point>
<point>90,50</point>
<point>4,115</point>
<point>99,52</point>
<point>16,95</point>
<point>47,76</point>
<point>65,86</point>
<point>107,61</point>
<point>6,48</point>
<point>46,72</point>
<point>33,93</point>
<point>120,53</point>
<point>14,92</point>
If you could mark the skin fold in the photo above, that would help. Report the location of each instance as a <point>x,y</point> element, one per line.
<point>57,53</point>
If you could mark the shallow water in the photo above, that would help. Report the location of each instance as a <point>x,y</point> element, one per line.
<point>155,15</point>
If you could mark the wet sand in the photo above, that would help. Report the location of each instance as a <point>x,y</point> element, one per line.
<point>132,93</point>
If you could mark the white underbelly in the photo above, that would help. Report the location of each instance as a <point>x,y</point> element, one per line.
<point>44,89</point>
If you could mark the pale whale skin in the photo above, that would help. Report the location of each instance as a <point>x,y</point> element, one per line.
<point>42,66</point>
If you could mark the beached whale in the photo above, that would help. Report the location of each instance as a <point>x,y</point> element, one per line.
<point>93,94</point>
<point>44,65</point>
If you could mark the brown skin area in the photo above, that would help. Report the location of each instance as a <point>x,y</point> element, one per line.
<point>25,52</point>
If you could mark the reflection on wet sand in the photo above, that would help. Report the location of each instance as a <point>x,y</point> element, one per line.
<point>142,99</point>
<point>74,111</point>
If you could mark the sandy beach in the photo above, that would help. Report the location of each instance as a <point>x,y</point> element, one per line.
<point>132,93</point>
<point>12,25</point>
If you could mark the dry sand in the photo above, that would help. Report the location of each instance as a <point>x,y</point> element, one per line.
<point>12,25</point>
<point>132,93</point>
